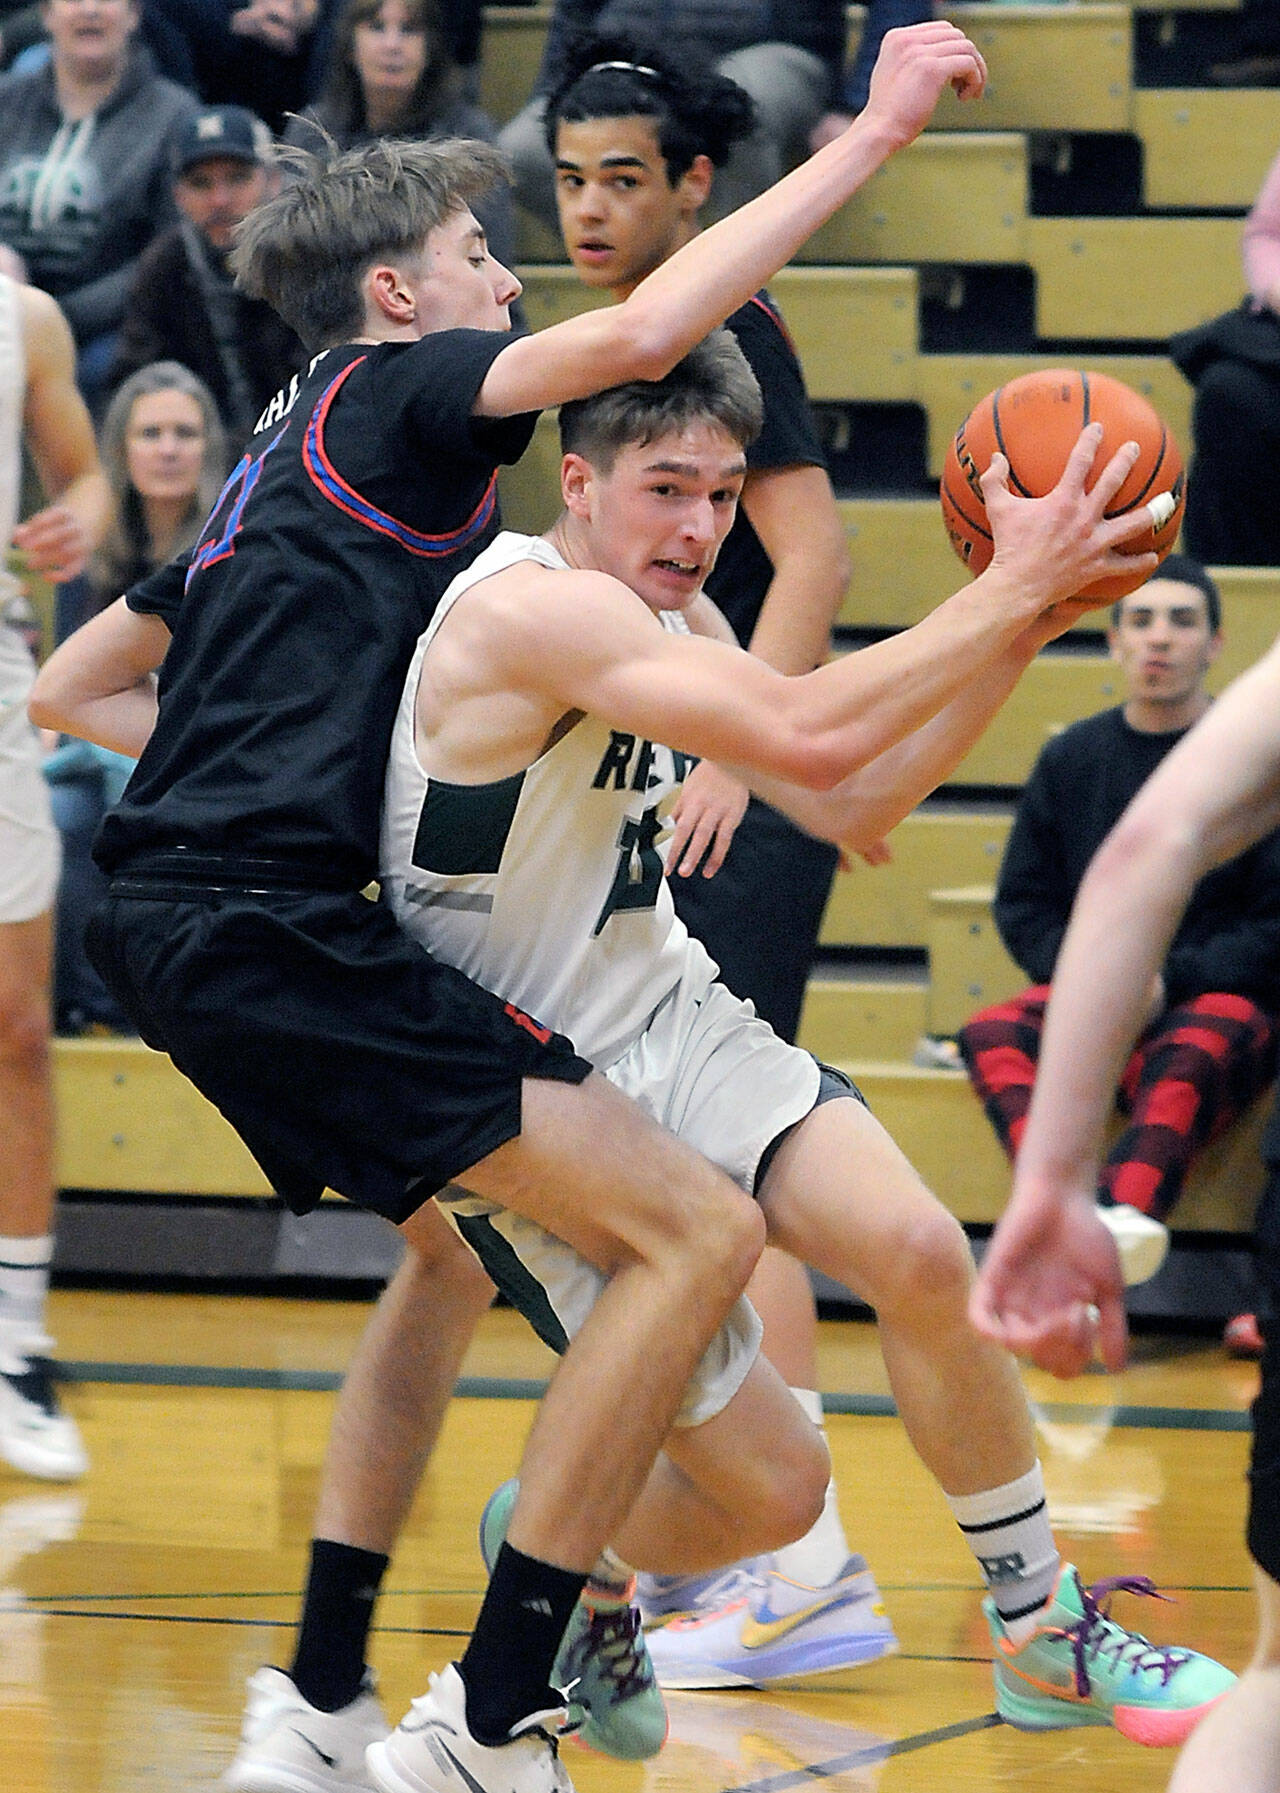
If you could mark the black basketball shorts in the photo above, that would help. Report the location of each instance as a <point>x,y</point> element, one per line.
<point>342,1053</point>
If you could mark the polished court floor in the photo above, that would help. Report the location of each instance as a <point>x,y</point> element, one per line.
<point>133,1606</point>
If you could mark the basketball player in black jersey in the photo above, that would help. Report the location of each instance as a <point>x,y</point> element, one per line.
<point>235,933</point>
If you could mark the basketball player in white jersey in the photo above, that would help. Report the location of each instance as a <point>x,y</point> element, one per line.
<point>521,843</point>
<point>38,399</point>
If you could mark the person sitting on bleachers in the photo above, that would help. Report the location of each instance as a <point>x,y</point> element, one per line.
<point>84,168</point>
<point>391,74</point>
<point>184,305</point>
<point>163,455</point>
<point>790,59</point>
<point>1209,1045</point>
<point>1233,518</point>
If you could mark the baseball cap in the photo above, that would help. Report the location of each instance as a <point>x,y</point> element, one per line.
<point>222,131</point>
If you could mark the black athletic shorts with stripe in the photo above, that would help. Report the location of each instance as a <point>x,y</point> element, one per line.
<point>343,1055</point>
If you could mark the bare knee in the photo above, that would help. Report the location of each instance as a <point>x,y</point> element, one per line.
<point>927,1271</point>
<point>791,1504</point>
<point>24,1031</point>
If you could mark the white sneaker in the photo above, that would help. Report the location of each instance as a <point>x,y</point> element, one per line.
<point>776,1629</point>
<point>431,1750</point>
<point>289,1746</point>
<point>36,1436</point>
<point>1143,1243</point>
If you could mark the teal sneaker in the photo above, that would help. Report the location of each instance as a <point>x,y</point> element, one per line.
<point>1081,1668</point>
<point>602,1664</point>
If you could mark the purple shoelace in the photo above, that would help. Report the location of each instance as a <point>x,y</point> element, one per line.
<point>1097,1634</point>
<point>610,1638</point>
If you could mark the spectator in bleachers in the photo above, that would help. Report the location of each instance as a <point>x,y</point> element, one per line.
<point>1233,492</point>
<point>162,451</point>
<point>789,58</point>
<point>391,74</point>
<point>184,305</point>
<point>1209,1045</point>
<point>267,55</point>
<point>84,168</point>
<point>881,16</point>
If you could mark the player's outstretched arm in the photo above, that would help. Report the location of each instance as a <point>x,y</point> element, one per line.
<point>698,287</point>
<point>97,685</point>
<point>58,539</point>
<point>1051,1261</point>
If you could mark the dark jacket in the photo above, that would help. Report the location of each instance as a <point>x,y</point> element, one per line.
<point>1229,939</point>
<point>80,202</point>
<point>819,26</point>
<point>169,316</point>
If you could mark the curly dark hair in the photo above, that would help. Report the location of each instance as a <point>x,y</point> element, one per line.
<point>696,112</point>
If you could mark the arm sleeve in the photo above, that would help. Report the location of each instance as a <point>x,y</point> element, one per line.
<point>1032,905</point>
<point>160,593</point>
<point>1242,959</point>
<point>445,372</point>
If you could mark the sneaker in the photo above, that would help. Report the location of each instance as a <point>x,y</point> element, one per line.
<point>1243,1337</point>
<point>937,1052</point>
<point>36,1436</point>
<point>662,1598</point>
<point>602,1664</point>
<point>432,1750</point>
<point>289,1746</point>
<point>1143,1243</point>
<point>1081,1668</point>
<point>776,1629</point>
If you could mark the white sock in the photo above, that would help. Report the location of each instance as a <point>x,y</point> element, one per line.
<point>1008,1531</point>
<point>24,1283</point>
<point>610,1575</point>
<point>816,1559</point>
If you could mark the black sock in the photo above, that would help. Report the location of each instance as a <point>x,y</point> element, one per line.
<point>507,1665</point>
<point>329,1657</point>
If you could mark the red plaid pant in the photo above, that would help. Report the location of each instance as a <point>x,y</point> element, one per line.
<point>1189,1077</point>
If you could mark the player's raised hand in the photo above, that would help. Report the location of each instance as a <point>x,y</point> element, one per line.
<point>1051,1288</point>
<point>1056,546</point>
<point>916,63</point>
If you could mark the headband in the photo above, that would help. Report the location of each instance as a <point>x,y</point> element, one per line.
<point>628,68</point>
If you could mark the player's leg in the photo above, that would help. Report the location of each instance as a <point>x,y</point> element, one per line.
<point>589,1167</point>
<point>1237,1749</point>
<point>385,1425</point>
<point>35,1435</point>
<point>840,1194</point>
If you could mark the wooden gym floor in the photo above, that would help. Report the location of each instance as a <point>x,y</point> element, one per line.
<point>133,1606</point>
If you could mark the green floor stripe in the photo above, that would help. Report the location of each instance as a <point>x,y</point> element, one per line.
<point>517,1388</point>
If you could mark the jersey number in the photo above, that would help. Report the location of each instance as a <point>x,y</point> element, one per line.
<point>638,877</point>
<point>238,489</point>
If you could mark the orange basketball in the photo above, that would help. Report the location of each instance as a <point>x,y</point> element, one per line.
<point>1034,421</point>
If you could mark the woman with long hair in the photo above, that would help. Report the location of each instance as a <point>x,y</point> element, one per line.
<point>161,447</point>
<point>391,74</point>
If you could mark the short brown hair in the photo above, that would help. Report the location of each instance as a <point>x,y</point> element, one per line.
<point>713,382</point>
<point>305,250</point>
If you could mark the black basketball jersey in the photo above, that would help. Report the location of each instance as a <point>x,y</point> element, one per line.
<point>743,571</point>
<point>367,485</point>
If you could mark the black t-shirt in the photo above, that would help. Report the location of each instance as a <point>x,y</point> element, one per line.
<point>352,508</point>
<point>743,571</point>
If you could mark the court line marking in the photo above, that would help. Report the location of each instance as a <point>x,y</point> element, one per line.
<point>506,1388</point>
<point>869,1754</point>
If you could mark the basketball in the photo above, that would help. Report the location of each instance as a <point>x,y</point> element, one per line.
<point>1035,421</point>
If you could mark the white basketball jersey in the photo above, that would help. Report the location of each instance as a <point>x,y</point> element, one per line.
<point>546,887</point>
<point>13,386</point>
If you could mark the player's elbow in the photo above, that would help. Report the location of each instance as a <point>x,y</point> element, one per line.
<point>646,342</point>
<point>47,704</point>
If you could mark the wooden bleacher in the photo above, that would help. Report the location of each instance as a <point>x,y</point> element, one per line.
<point>908,948</point>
